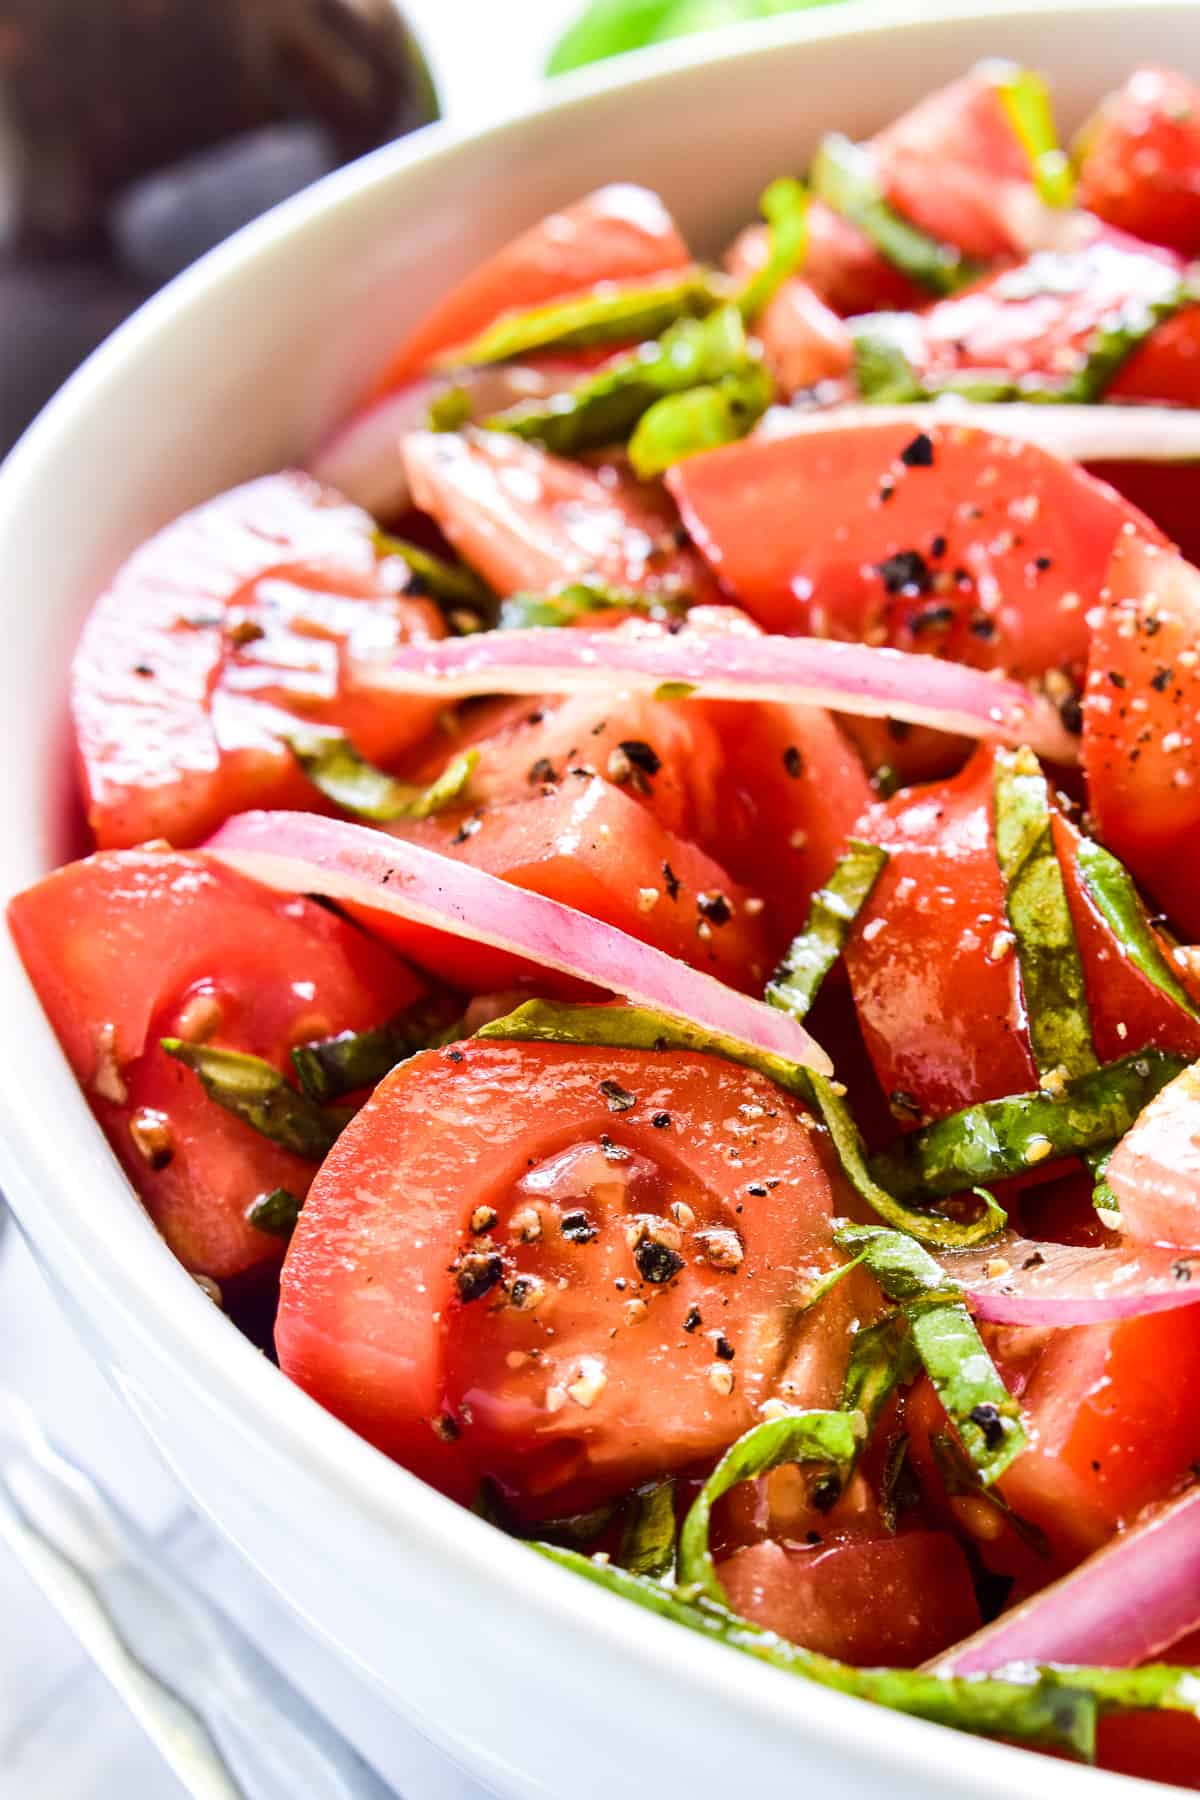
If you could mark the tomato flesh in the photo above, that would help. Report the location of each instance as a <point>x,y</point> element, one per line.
<point>1140,159</point>
<point>1156,1167</point>
<point>803,339</point>
<point>215,636</point>
<point>847,272</point>
<point>568,1362</point>
<point>128,947</point>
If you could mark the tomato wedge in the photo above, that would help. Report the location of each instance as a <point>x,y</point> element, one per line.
<point>844,268</point>
<point>952,541</point>
<point>1141,725</point>
<point>888,1602</point>
<point>803,339</point>
<point>930,958</point>
<point>1155,1169</point>
<point>1139,159</point>
<point>128,947</point>
<point>509,1238</point>
<point>527,520</point>
<point>1166,366</point>
<point>619,233</point>
<point>213,638</point>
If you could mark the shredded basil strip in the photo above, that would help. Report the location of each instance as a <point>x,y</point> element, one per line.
<point>337,770</point>
<point>275,1213</point>
<point>1035,898</point>
<point>450,584</point>
<point>638,1028</point>
<point>959,1478</point>
<point>900,1489</point>
<point>882,1359</point>
<point>610,313</point>
<point>887,350</point>
<point>648,1534</point>
<point>683,425</point>
<point>257,1093</point>
<point>1052,1707</point>
<point>329,1068</point>
<point>1103,1199</point>
<point>947,1341</point>
<point>1110,888</point>
<point>832,1438</point>
<point>573,1531</point>
<point>845,177</point>
<point>810,956</point>
<point>578,600</point>
<point>1026,102</point>
<point>604,407</point>
<point>784,205</point>
<point>997,1138</point>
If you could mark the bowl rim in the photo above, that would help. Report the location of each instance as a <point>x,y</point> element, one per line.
<point>159,1303</point>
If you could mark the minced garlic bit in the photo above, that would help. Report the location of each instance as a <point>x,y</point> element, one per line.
<point>1002,942</point>
<point>199,1019</point>
<point>721,1378</point>
<point>682,1214</point>
<point>526,1293</point>
<point>774,1408</point>
<point>591,1382</point>
<point>556,1398</point>
<point>798,839</point>
<point>753,906</point>
<point>997,1266</point>
<point>107,1080</point>
<point>647,899</point>
<point>516,1359</point>
<point>618,767</point>
<point>721,1247</point>
<point>1038,1149</point>
<point>483,1218</point>
<point>526,1224</point>
<point>636,1311</point>
<point>151,1134</point>
<point>1054,1081</point>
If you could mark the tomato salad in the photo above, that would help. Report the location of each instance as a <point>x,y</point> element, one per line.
<point>643,911</point>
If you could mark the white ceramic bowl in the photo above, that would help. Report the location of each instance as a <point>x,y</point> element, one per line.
<point>540,1683</point>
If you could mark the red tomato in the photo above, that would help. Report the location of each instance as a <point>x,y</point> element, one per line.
<point>1141,725</point>
<point>1140,159</point>
<point>586,843</point>
<point>1112,1426</point>
<point>1155,1169</point>
<point>952,542</point>
<point>954,166</point>
<point>881,1602</point>
<point>803,341</point>
<point>930,958</point>
<point>1035,324</point>
<point>128,947</point>
<point>619,233</point>
<point>1168,493</point>
<point>845,269</point>
<point>1156,1746</point>
<point>527,520</point>
<point>489,1276</point>
<point>214,637</point>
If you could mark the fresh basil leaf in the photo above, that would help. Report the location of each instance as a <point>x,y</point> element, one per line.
<point>572,1531</point>
<point>947,1341</point>
<point>959,1478</point>
<point>649,1532</point>
<point>275,1213</point>
<point>705,418</point>
<point>1026,102</point>
<point>1111,890</point>
<point>337,770</point>
<point>844,176</point>
<point>330,1067</point>
<point>831,1438</point>
<point>882,1359</point>
<point>613,27</point>
<point>255,1092</point>
<point>578,600</point>
<point>1035,898</point>
<point>450,584</point>
<point>784,205</point>
<point>887,352</point>
<point>610,313</point>
<point>834,908</point>
<point>998,1138</point>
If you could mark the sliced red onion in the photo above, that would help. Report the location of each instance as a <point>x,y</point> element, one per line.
<point>362,459</point>
<point>1089,434</point>
<point>849,678</point>
<point>1012,1281</point>
<point>1123,1606</point>
<point>301,853</point>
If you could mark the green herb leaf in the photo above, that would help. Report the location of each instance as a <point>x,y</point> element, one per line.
<point>1060,1026</point>
<point>831,1438</point>
<point>450,584</point>
<point>882,1358</point>
<point>573,1531</point>
<point>899,1490</point>
<point>1103,1199</point>
<point>451,409</point>
<point>998,1138</point>
<point>958,1478</point>
<point>331,1067</point>
<point>258,1094</point>
<point>945,1338</point>
<point>682,425</point>
<point>608,314</point>
<point>784,205</point>
<point>648,1535</point>
<point>1111,890</point>
<point>612,27</point>
<point>638,1028</point>
<point>844,176</point>
<point>887,348</point>
<point>811,955</point>
<point>1026,102</point>
<point>579,599</point>
<point>275,1213</point>
<point>335,767</point>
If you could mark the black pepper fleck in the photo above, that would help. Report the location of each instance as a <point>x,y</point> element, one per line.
<point>670,881</point>
<point>906,571</point>
<point>715,908</point>
<point>692,1319</point>
<point>793,762</point>
<point>988,1419</point>
<point>660,1121</point>
<point>919,453</point>
<point>619,1099</point>
<point>478,1273</point>
<point>656,1262</point>
<point>724,1349</point>
<point>578,1228</point>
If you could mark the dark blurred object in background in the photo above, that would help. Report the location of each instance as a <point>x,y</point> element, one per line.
<point>145,131</point>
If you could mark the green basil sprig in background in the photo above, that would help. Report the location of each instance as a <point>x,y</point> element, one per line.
<point>610,27</point>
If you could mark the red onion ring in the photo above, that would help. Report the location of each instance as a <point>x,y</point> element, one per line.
<point>303,853</point>
<point>1073,1284</point>
<point>799,671</point>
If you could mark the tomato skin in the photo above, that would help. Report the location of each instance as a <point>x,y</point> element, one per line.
<point>1140,159</point>
<point>1155,1746</point>
<point>128,944</point>
<point>1157,1167</point>
<point>1025,540</point>
<point>212,638</point>
<point>1141,725</point>
<point>373,1321</point>
<point>620,233</point>
<point>803,339</point>
<point>930,958</point>
<point>1166,366</point>
<point>887,1602</point>
<point>528,520</point>
<point>849,274</point>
